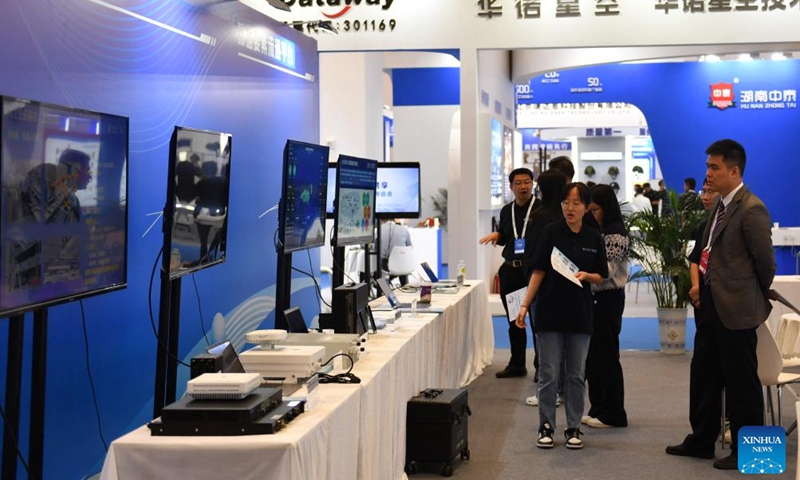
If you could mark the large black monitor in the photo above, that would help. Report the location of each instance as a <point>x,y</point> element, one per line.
<point>355,201</point>
<point>398,191</point>
<point>64,222</point>
<point>196,212</point>
<point>305,190</point>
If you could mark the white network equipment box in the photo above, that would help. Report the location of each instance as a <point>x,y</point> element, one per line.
<point>334,343</point>
<point>289,362</point>
<point>223,386</point>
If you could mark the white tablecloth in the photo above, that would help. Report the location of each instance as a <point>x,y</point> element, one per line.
<point>358,431</point>
<point>789,287</point>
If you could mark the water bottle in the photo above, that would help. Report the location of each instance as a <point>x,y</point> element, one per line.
<point>462,273</point>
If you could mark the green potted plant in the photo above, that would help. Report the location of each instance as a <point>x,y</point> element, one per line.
<point>659,243</point>
<point>613,171</point>
<point>439,206</point>
<point>589,171</point>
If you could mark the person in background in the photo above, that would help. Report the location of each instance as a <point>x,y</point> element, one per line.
<point>651,195</point>
<point>514,235</point>
<point>689,200</point>
<point>708,197</point>
<point>393,235</point>
<point>737,266</point>
<point>74,173</point>
<point>551,191</point>
<point>640,202</point>
<point>689,185</point>
<point>663,206</point>
<point>564,312</point>
<point>187,174</point>
<point>563,165</point>
<point>210,194</point>
<point>603,370</point>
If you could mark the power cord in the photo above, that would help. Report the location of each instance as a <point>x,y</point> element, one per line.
<point>91,380</point>
<point>313,277</point>
<point>346,377</point>
<point>333,260</point>
<point>150,311</point>
<point>277,243</point>
<point>408,289</point>
<point>10,432</point>
<point>200,310</point>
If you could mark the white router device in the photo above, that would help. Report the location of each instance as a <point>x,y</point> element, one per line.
<point>266,338</point>
<point>223,386</point>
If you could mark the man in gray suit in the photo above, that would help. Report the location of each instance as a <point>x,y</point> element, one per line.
<point>737,267</point>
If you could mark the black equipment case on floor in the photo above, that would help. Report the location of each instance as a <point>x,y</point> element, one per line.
<point>436,428</point>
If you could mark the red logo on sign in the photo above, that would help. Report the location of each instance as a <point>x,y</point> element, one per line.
<point>721,96</point>
<point>339,13</point>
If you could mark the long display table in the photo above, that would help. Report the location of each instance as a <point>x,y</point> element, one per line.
<point>357,431</point>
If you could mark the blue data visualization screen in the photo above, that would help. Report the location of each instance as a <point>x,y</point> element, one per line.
<point>355,201</point>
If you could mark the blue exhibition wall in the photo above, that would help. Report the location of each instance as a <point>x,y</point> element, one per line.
<point>224,68</point>
<point>756,104</point>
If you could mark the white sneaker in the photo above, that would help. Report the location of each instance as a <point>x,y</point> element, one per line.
<point>596,423</point>
<point>545,437</point>
<point>534,401</point>
<point>573,436</point>
<point>585,419</point>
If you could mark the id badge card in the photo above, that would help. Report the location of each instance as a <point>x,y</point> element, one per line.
<point>703,265</point>
<point>519,246</point>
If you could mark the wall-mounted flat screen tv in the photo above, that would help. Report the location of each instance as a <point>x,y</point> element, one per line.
<point>355,201</point>
<point>64,215</point>
<point>196,212</point>
<point>397,193</point>
<point>305,190</point>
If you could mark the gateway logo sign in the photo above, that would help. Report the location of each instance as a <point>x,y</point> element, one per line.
<point>337,8</point>
<point>762,450</point>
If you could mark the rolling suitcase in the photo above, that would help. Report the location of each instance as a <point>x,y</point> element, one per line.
<point>436,428</point>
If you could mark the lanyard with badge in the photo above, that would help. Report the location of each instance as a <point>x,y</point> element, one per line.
<point>705,255</point>
<point>519,240</point>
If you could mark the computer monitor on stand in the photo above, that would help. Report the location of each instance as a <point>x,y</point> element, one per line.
<point>301,217</point>
<point>354,207</point>
<point>397,196</point>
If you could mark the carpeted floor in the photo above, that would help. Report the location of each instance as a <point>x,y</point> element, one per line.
<point>502,430</point>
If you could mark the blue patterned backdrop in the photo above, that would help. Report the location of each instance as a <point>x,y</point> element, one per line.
<point>222,67</point>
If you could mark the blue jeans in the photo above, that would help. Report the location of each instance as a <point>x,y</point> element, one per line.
<point>552,347</point>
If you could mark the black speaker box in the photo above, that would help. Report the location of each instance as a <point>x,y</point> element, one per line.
<point>349,307</point>
<point>437,428</point>
<point>205,363</point>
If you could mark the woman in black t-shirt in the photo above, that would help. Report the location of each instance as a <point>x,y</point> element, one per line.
<point>564,311</point>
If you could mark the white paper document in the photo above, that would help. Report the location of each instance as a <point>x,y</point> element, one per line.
<point>564,266</point>
<point>514,302</point>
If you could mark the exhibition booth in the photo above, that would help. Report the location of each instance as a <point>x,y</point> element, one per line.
<point>234,68</point>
